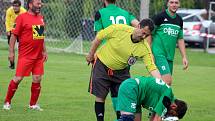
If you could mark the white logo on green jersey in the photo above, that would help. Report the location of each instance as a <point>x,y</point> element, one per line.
<point>171,32</point>
<point>164,112</point>
<point>133,105</point>
<point>163,68</point>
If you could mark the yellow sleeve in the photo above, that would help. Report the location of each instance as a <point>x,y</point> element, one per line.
<point>148,58</point>
<point>22,10</point>
<point>8,20</point>
<point>105,33</point>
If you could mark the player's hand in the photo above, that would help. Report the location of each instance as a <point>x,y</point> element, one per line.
<point>185,63</point>
<point>8,33</point>
<point>11,57</point>
<point>45,56</point>
<point>90,58</point>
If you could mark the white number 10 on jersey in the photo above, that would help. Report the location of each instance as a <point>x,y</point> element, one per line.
<point>118,19</point>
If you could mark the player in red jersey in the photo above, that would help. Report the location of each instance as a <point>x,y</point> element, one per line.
<point>31,52</point>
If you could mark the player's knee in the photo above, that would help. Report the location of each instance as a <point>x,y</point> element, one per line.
<point>17,79</point>
<point>124,117</point>
<point>37,79</point>
<point>98,99</point>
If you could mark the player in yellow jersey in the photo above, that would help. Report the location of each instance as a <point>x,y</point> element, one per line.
<point>11,14</point>
<point>125,44</point>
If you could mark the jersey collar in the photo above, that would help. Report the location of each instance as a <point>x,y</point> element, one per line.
<point>167,11</point>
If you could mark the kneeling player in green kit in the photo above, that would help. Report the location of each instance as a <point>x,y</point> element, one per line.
<point>152,94</point>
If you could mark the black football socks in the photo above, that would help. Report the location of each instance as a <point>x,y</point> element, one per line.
<point>99,110</point>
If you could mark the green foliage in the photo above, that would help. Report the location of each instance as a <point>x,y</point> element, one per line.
<point>157,6</point>
<point>74,17</point>
<point>132,6</point>
<point>51,11</point>
<point>187,4</point>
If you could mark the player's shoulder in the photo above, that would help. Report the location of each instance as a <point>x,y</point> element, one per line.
<point>10,10</point>
<point>23,14</point>
<point>179,17</point>
<point>22,9</point>
<point>122,26</point>
<point>123,10</point>
<point>161,14</point>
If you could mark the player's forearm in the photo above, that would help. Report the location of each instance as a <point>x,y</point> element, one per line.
<point>94,46</point>
<point>44,47</point>
<point>12,43</point>
<point>156,74</point>
<point>181,46</point>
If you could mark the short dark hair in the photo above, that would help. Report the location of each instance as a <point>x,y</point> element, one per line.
<point>16,2</point>
<point>147,22</point>
<point>111,1</point>
<point>168,1</point>
<point>28,2</point>
<point>181,108</point>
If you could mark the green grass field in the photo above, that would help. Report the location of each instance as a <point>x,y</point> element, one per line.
<point>64,89</point>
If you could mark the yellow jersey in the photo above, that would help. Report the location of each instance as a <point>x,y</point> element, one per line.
<point>119,48</point>
<point>11,17</point>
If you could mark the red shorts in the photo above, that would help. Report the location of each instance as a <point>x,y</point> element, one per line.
<point>26,66</point>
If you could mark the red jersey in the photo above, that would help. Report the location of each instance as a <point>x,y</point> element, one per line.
<point>30,31</point>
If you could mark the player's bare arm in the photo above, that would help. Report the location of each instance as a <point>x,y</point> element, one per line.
<point>156,74</point>
<point>11,55</point>
<point>45,54</point>
<point>94,46</point>
<point>181,47</point>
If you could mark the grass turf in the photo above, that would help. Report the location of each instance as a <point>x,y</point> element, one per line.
<point>64,94</point>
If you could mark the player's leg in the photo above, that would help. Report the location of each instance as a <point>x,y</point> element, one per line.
<point>12,87</point>
<point>99,108</point>
<point>127,100</point>
<point>114,93</point>
<point>116,79</point>
<point>163,65</point>
<point>37,72</point>
<point>99,86</point>
<point>23,69</point>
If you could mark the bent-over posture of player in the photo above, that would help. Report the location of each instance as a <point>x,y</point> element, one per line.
<point>125,44</point>
<point>150,93</point>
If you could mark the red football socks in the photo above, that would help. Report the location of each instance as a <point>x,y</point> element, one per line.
<point>11,91</point>
<point>35,92</point>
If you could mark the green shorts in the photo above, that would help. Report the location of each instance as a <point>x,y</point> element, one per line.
<point>127,97</point>
<point>165,66</point>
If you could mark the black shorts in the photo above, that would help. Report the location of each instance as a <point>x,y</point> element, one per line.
<point>104,80</point>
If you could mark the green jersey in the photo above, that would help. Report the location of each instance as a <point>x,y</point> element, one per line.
<point>111,14</point>
<point>169,29</point>
<point>147,92</point>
